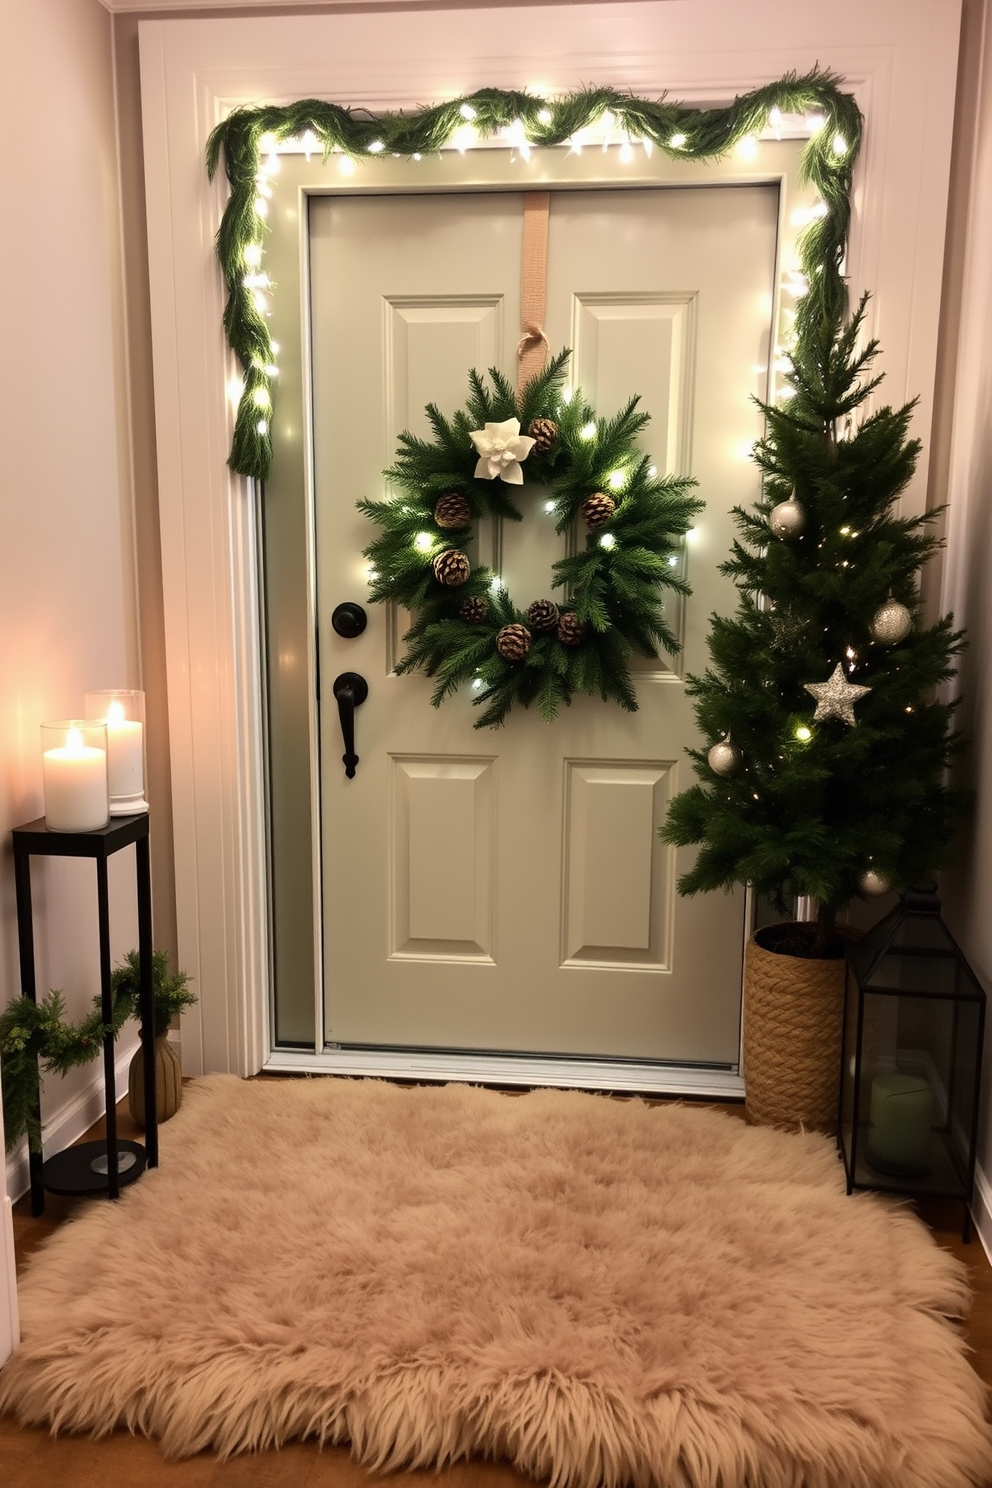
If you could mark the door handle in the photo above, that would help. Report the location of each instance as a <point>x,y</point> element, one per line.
<point>351,690</point>
<point>349,619</point>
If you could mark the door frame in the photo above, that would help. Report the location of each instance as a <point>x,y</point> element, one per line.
<point>899,59</point>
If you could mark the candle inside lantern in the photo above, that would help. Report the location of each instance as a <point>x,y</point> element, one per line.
<point>74,775</point>
<point>901,1118</point>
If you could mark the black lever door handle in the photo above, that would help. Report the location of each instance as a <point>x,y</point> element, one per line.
<point>351,690</point>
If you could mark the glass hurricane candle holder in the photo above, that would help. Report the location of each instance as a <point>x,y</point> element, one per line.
<point>74,774</point>
<point>123,710</point>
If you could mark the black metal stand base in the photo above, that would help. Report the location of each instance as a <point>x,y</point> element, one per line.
<point>68,1173</point>
<point>83,1169</point>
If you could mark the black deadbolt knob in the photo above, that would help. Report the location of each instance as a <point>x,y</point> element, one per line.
<point>349,619</point>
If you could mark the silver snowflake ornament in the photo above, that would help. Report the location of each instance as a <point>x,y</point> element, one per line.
<point>836,697</point>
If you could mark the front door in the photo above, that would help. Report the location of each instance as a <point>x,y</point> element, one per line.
<point>506,889</point>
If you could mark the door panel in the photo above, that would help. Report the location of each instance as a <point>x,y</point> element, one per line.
<point>508,891</point>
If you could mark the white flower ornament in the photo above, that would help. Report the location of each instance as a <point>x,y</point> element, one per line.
<point>500,448</point>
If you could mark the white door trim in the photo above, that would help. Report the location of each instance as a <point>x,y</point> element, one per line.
<point>899,58</point>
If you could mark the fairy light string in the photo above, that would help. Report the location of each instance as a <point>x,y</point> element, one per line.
<point>247,140</point>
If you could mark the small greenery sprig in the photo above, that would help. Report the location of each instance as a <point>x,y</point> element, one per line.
<point>615,584</point>
<point>525,120</point>
<point>36,1037</point>
<point>170,994</point>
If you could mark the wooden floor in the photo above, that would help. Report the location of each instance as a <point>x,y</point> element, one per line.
<point>33,1459</point>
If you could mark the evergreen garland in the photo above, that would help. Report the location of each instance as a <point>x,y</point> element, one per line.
<point>681,132</point>
<point>811,808</point>
<point>614,585</point>
<point>36,1037</point>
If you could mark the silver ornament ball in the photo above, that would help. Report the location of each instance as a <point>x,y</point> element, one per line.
<point>788,519</point>
<point>725,758</point>
<point>892,623</point>
<point>873,882</point>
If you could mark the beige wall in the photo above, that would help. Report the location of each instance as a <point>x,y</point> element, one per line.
<point>67,574</point>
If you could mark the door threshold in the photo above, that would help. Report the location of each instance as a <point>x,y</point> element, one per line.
<point>622,1076</point>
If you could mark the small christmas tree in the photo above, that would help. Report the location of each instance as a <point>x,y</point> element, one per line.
<point>824,775</point>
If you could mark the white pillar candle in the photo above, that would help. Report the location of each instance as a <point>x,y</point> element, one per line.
<point>124,752</point>
<point>75,784</point>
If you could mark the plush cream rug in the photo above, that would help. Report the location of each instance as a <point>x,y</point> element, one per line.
<point>600,1291</point>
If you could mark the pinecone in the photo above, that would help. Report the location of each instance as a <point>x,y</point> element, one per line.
<point>451,511</point>
<point>571,630</point>
<point>543,614</point>
<point>451,568</point>
<point>544,432</point>
<point>473,609</point>
<point>513,642</point>
<point>597,510</point>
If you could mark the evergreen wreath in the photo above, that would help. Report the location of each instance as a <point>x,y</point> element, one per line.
<point>467,627</point>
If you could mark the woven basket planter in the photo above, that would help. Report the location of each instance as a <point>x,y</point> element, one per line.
<point>793,1012</point>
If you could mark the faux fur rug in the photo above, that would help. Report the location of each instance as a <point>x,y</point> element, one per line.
<point>600,1291</point>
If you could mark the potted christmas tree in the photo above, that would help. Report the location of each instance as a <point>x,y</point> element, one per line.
<point>824,774</point>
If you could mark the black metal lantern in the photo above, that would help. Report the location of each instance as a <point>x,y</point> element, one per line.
<point>914,1018</point>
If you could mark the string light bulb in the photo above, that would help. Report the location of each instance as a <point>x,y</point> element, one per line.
<point>423,542</point>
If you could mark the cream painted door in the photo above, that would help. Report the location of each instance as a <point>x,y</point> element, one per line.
<point>507,890</point>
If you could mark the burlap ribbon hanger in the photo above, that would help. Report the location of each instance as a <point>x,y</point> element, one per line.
<point>532,350</point>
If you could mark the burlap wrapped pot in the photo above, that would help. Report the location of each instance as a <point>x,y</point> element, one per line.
<point>793,1012</point>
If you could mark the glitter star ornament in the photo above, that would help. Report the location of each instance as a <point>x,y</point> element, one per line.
<point>501,448</point>
<point>836,697</point>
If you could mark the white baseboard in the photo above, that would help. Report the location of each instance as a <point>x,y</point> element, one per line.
<point>68,1122</point>
<point>981,1210</point>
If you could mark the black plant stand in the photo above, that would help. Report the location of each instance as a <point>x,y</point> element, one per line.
<point>94,1167</point>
